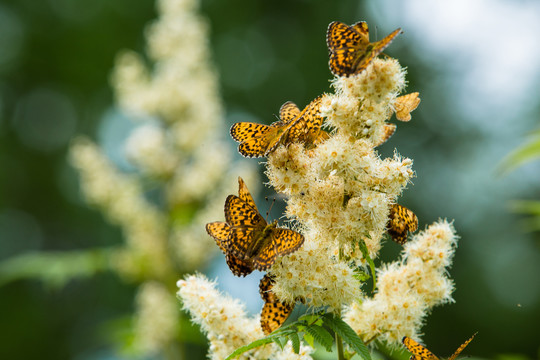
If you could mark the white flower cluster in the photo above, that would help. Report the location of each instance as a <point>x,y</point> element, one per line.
<point>226,324</point>
<point>179,149</point>
<point>340,191</point>
<point>409,288</point>
<point>122,200</point>
<point>156,322</point>
<point>340,194</point>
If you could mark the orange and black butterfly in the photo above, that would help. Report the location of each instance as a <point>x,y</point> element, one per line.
<point>420,352</point>
<point>401,221</point>
<point>274,312</point>
<point>258,140</point>
<point>350,49</point>
<point>245,237</point>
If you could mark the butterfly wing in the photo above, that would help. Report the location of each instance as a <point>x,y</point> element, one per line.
<point>265,258</point>
<point>220,232</point>
<point>401,221</point>
<point>417,350</point>
<point>460,349</point>
<point>363,59</point>
<point>307,126</point>
<point>254,138</point>
<point>245,222</point>
<point>286,241</point>
<point>244,194</point>
<point>288,112</point>
<point>274,312</point>
<point>344,42</point>
<point>238,267</point>
<point>405,104</point>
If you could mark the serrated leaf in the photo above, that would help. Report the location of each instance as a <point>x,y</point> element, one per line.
<point>309,339</point>
<point>253,345</point>
<point>365,253</point>
<point>295,342</point>
<point>279,341</point>
<point>321,335</point>
<point>348,335</point>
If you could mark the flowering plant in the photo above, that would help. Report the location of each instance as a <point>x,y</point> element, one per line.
<point>342,199</point>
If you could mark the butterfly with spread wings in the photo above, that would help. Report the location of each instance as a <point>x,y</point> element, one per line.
<point>258,140</point>
<point>245,237</point>
<point>350,49</point>
<point>420,352</point>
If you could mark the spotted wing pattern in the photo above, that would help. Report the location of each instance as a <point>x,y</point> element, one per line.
<point>254,139</point>
<point>244,194</point>
<point>220,232</point>
<point>238,266</point>
<point>418,351</point>
<point>462,346</point>
<point>287,241</point>
<point>405,104</point>
<point>401,221</point>
<point>258,140</point>
<point>246,225</point>
<point>246,239</point>
<point>307,127</point>
<point>350,49</point>
<point>389,130</point>
<point>288,112</point>
<point>265,258</point>
<point>274,312</point>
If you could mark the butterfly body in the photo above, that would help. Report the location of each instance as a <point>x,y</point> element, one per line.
<point>245,237</point>
<point>261,238</point>
<point>350,49</point>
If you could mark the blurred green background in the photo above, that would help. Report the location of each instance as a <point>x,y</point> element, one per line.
<point>476,66</point>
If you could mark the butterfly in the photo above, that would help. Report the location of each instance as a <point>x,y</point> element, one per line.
<point>419,352</point>
<point>274,312</point>
<point>405,104</point>
<point>350,49</point>
<point>401,221</point>
<point>245,237</point>
<point>258,140</point>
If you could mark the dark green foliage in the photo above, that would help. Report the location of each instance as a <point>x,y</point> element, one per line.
<point>319,328</point>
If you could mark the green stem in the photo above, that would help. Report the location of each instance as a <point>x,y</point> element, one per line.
<point>339,345</point>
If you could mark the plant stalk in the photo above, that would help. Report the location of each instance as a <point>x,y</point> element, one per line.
<point>339,346</point>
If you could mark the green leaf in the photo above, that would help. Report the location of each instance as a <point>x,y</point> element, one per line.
<point>321,335</point>
<point>311,319</point>
<point>526,153</point>
<point>295,341</point>
<point>365,253</point>
<point>526,207</point>
<point>253,345</point>
<point>347,334</point>
<point>309,339</point>
<point>279,341</point>
<point>55,268</point>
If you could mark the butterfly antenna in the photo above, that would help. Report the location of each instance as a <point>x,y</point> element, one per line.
<point>270,209</point>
